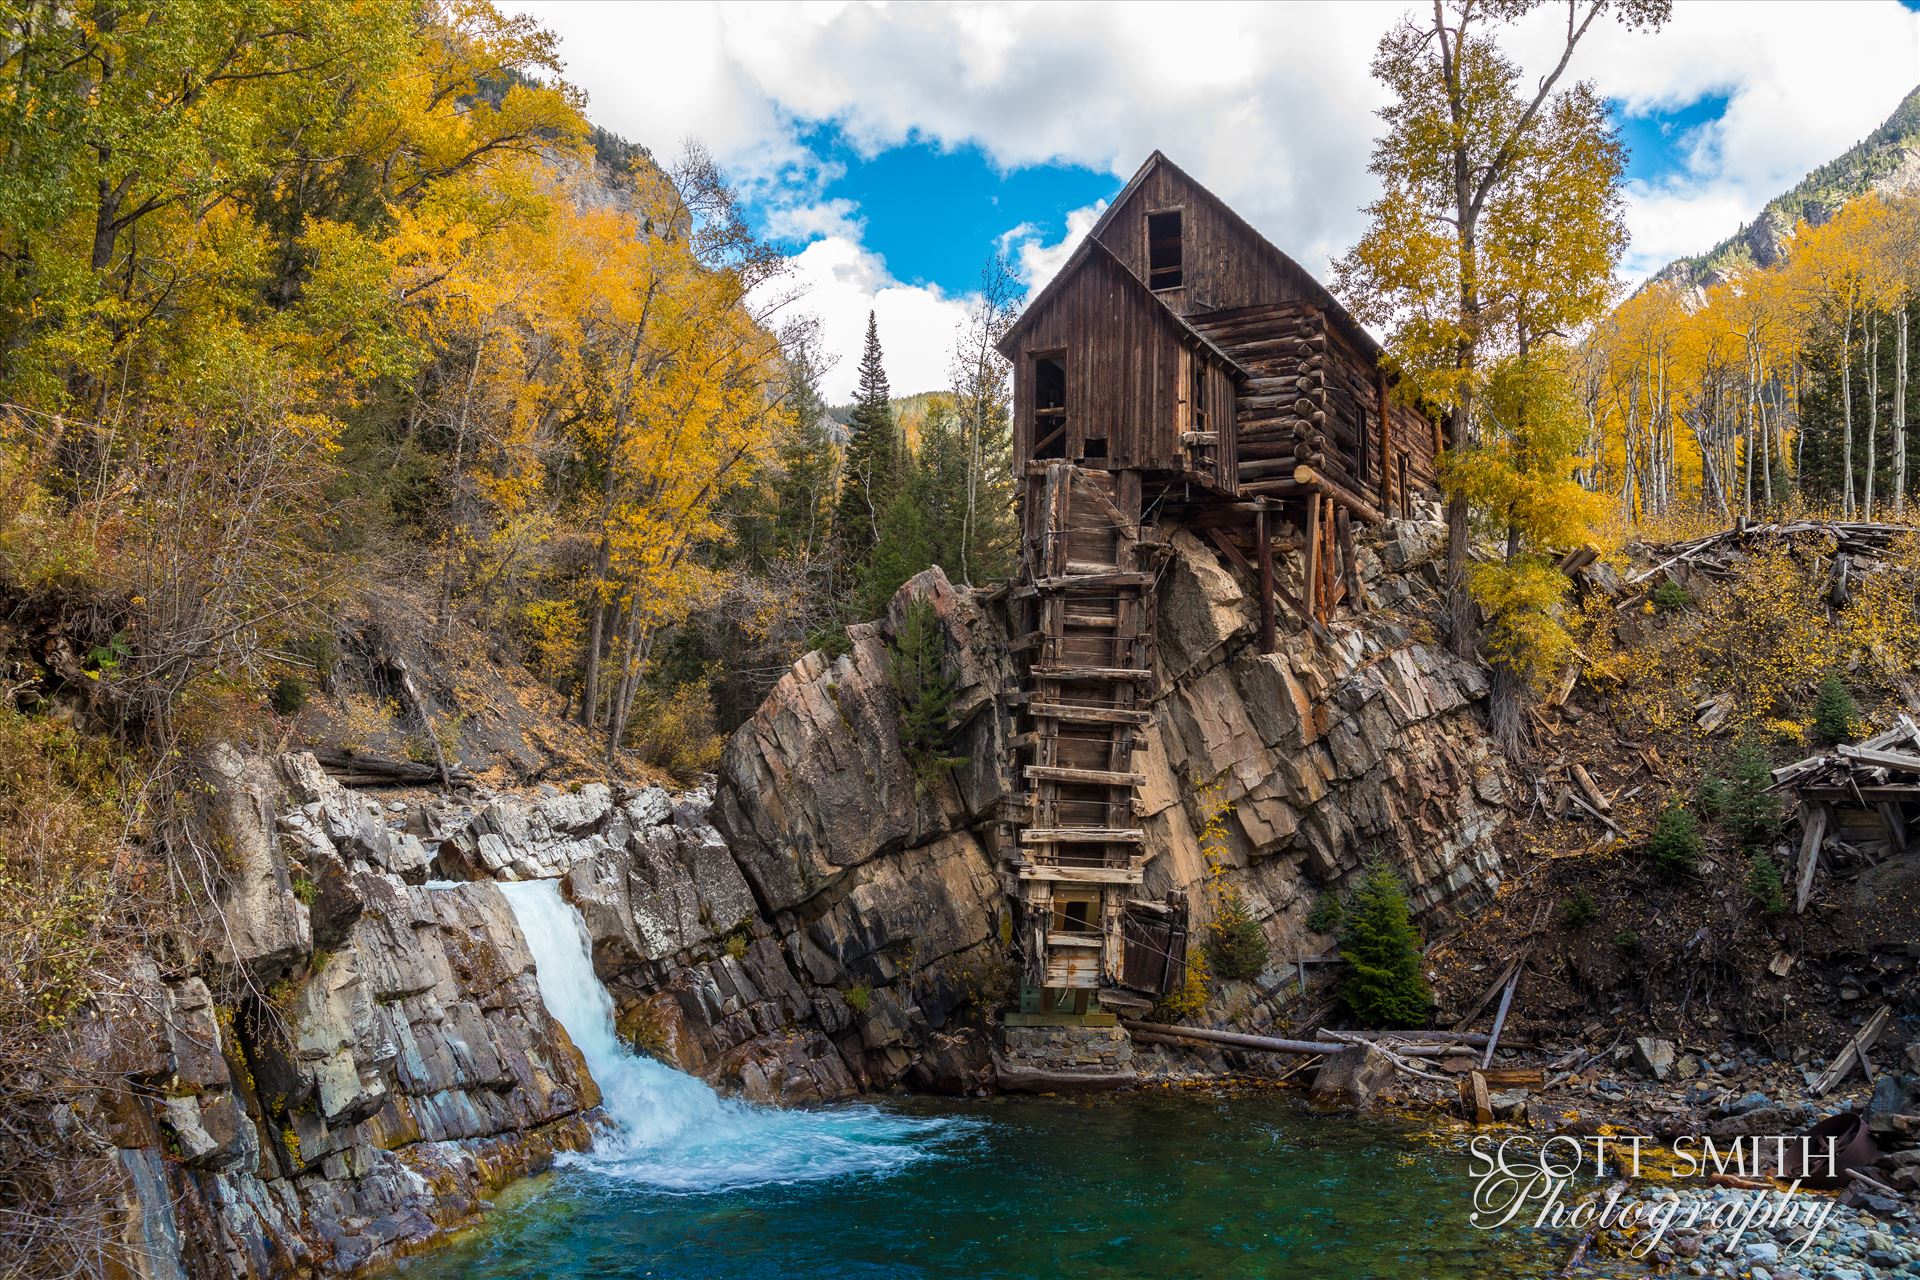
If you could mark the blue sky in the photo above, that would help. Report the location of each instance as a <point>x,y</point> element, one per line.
<point>890,149</point>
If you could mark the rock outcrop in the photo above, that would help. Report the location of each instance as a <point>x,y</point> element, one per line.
<point>381,1062</point>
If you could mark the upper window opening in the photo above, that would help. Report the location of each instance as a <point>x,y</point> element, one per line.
<point>1163,250</point>
<point>1049,406</point>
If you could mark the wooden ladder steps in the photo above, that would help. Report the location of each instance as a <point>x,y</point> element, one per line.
<point>1091,673</point>
<point>1079,875</point>
<point>1099,777</point>
<point>1083,835</point>
<point>1088,715</point>
<point>1093,581</point>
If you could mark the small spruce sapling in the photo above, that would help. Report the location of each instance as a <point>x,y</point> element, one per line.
<point>1383,985</point>
<point>1236,945</point>
<point>1834,711</point>
<point>1750,813</point>
<point>1676,848</point>
<point>1764,887</point>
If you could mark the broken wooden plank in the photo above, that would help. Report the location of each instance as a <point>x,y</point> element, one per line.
<point>1083,835</point>
<point>1815,833</point>
<point>1589,788</point>
<point>1088,715</point>
<point>1844,1061</point>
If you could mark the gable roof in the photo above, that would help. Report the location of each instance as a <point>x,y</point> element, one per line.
<point>1089,248</point>
<point>1310,287</point>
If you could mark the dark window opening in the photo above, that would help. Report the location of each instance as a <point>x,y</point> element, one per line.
<point>1096,448</point>
<point>1163,250</point>
<point>1049,406</point>
<point>1074,915</point>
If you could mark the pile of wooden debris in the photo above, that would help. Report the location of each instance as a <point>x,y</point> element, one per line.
<point>1854,799</point>
<point>1856,545</point>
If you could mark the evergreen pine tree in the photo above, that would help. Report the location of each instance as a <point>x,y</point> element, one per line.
<point>870,478</point>
<point>926,691</point>
<point>1751,812</point>
<point>1384,985</point>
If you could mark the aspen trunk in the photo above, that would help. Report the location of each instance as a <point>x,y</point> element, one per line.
<point>1900,414</point>
<point>1869,345</point>
<point>1846,411</point>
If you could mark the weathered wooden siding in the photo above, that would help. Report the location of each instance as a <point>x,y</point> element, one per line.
<point>1125,373</point>
<point>1225,262</point>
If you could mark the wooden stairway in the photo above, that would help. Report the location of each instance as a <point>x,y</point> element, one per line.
<point>1087,597</point>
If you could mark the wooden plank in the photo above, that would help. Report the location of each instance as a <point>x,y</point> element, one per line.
<point>1099,777</point>
<point>1904,761</point>
<point>1079,875</point>
<point>1843,1062</point>
<point>1093,581</point>
<point>1816,831</point>
<point>1083,835</point>
<point>1089,715</point>
<point>1311,605</point>
<point>1090,673</point>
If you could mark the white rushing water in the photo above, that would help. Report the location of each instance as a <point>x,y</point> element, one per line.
<point>673,1132</point>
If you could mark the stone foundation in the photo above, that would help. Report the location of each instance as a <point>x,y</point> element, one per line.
<point>1039,1059</point>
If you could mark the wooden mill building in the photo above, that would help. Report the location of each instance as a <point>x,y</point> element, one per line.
<point>1178,368</point>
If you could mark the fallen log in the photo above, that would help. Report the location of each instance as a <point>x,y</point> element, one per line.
<point>1855,1048</point>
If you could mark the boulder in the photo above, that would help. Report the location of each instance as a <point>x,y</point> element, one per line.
<point>1353,1077</point>
<point>1653,1057</point>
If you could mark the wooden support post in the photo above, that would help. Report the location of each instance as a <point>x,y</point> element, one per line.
<point>1263,534</point>
<point>1312,585</point>
<point>1386,440</point>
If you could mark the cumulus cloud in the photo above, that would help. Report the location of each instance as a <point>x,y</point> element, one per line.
<point>1034,260</point>
<point>839,281</point>
<point>1270,105</point>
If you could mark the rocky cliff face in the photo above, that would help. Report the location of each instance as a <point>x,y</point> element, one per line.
<point>823,922</point>
<point>381,1063</point>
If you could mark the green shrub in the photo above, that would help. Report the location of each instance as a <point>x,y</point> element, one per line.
<point>1670,597</point>
<point>1236,945</point>
<point>1189,999</point>
<point>926,691</point>
<point>1383,984</point>
<point>1676,848</point>
<point>1326,913</point>
<point>1626,940</point>
<point>1764,888</point>
<point>1579,909</point>
<point>1834,711</point>
<point>737,945</point>
<point>859,996</point>
<point>289,695</point>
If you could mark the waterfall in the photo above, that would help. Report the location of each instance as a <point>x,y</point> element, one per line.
<point>671,1131</point>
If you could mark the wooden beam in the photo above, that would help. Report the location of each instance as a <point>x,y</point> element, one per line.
<point>1386,439</point>
<point>1100,777</point>
<point>1264,546</point>
<point>1083,835</point>
<point>1333,488</point>
<point>1855,1048</point>
<point>1816,831</point>
<point>1311,605</point>
<point>1089,715</point>
<point>1080,875</point>
<point>1091,673</point>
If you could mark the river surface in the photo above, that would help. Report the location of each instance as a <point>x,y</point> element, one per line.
<point>1150,1184</point>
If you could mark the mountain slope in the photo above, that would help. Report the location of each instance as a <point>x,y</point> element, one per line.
<point>1886,161</point>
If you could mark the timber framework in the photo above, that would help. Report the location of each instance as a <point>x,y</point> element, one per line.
<point>1179,371</point>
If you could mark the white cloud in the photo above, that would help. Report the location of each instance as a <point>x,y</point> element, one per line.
<point>1034,260</point>
<point>1270,105</point>
<point>840,282</point>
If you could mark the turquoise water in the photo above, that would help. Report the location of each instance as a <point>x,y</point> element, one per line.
<point>687,1185</point>
<point>1146,1185</point>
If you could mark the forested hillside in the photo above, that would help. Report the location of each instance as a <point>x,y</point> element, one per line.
<point>313,306</point>
<point>1886,162</point>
